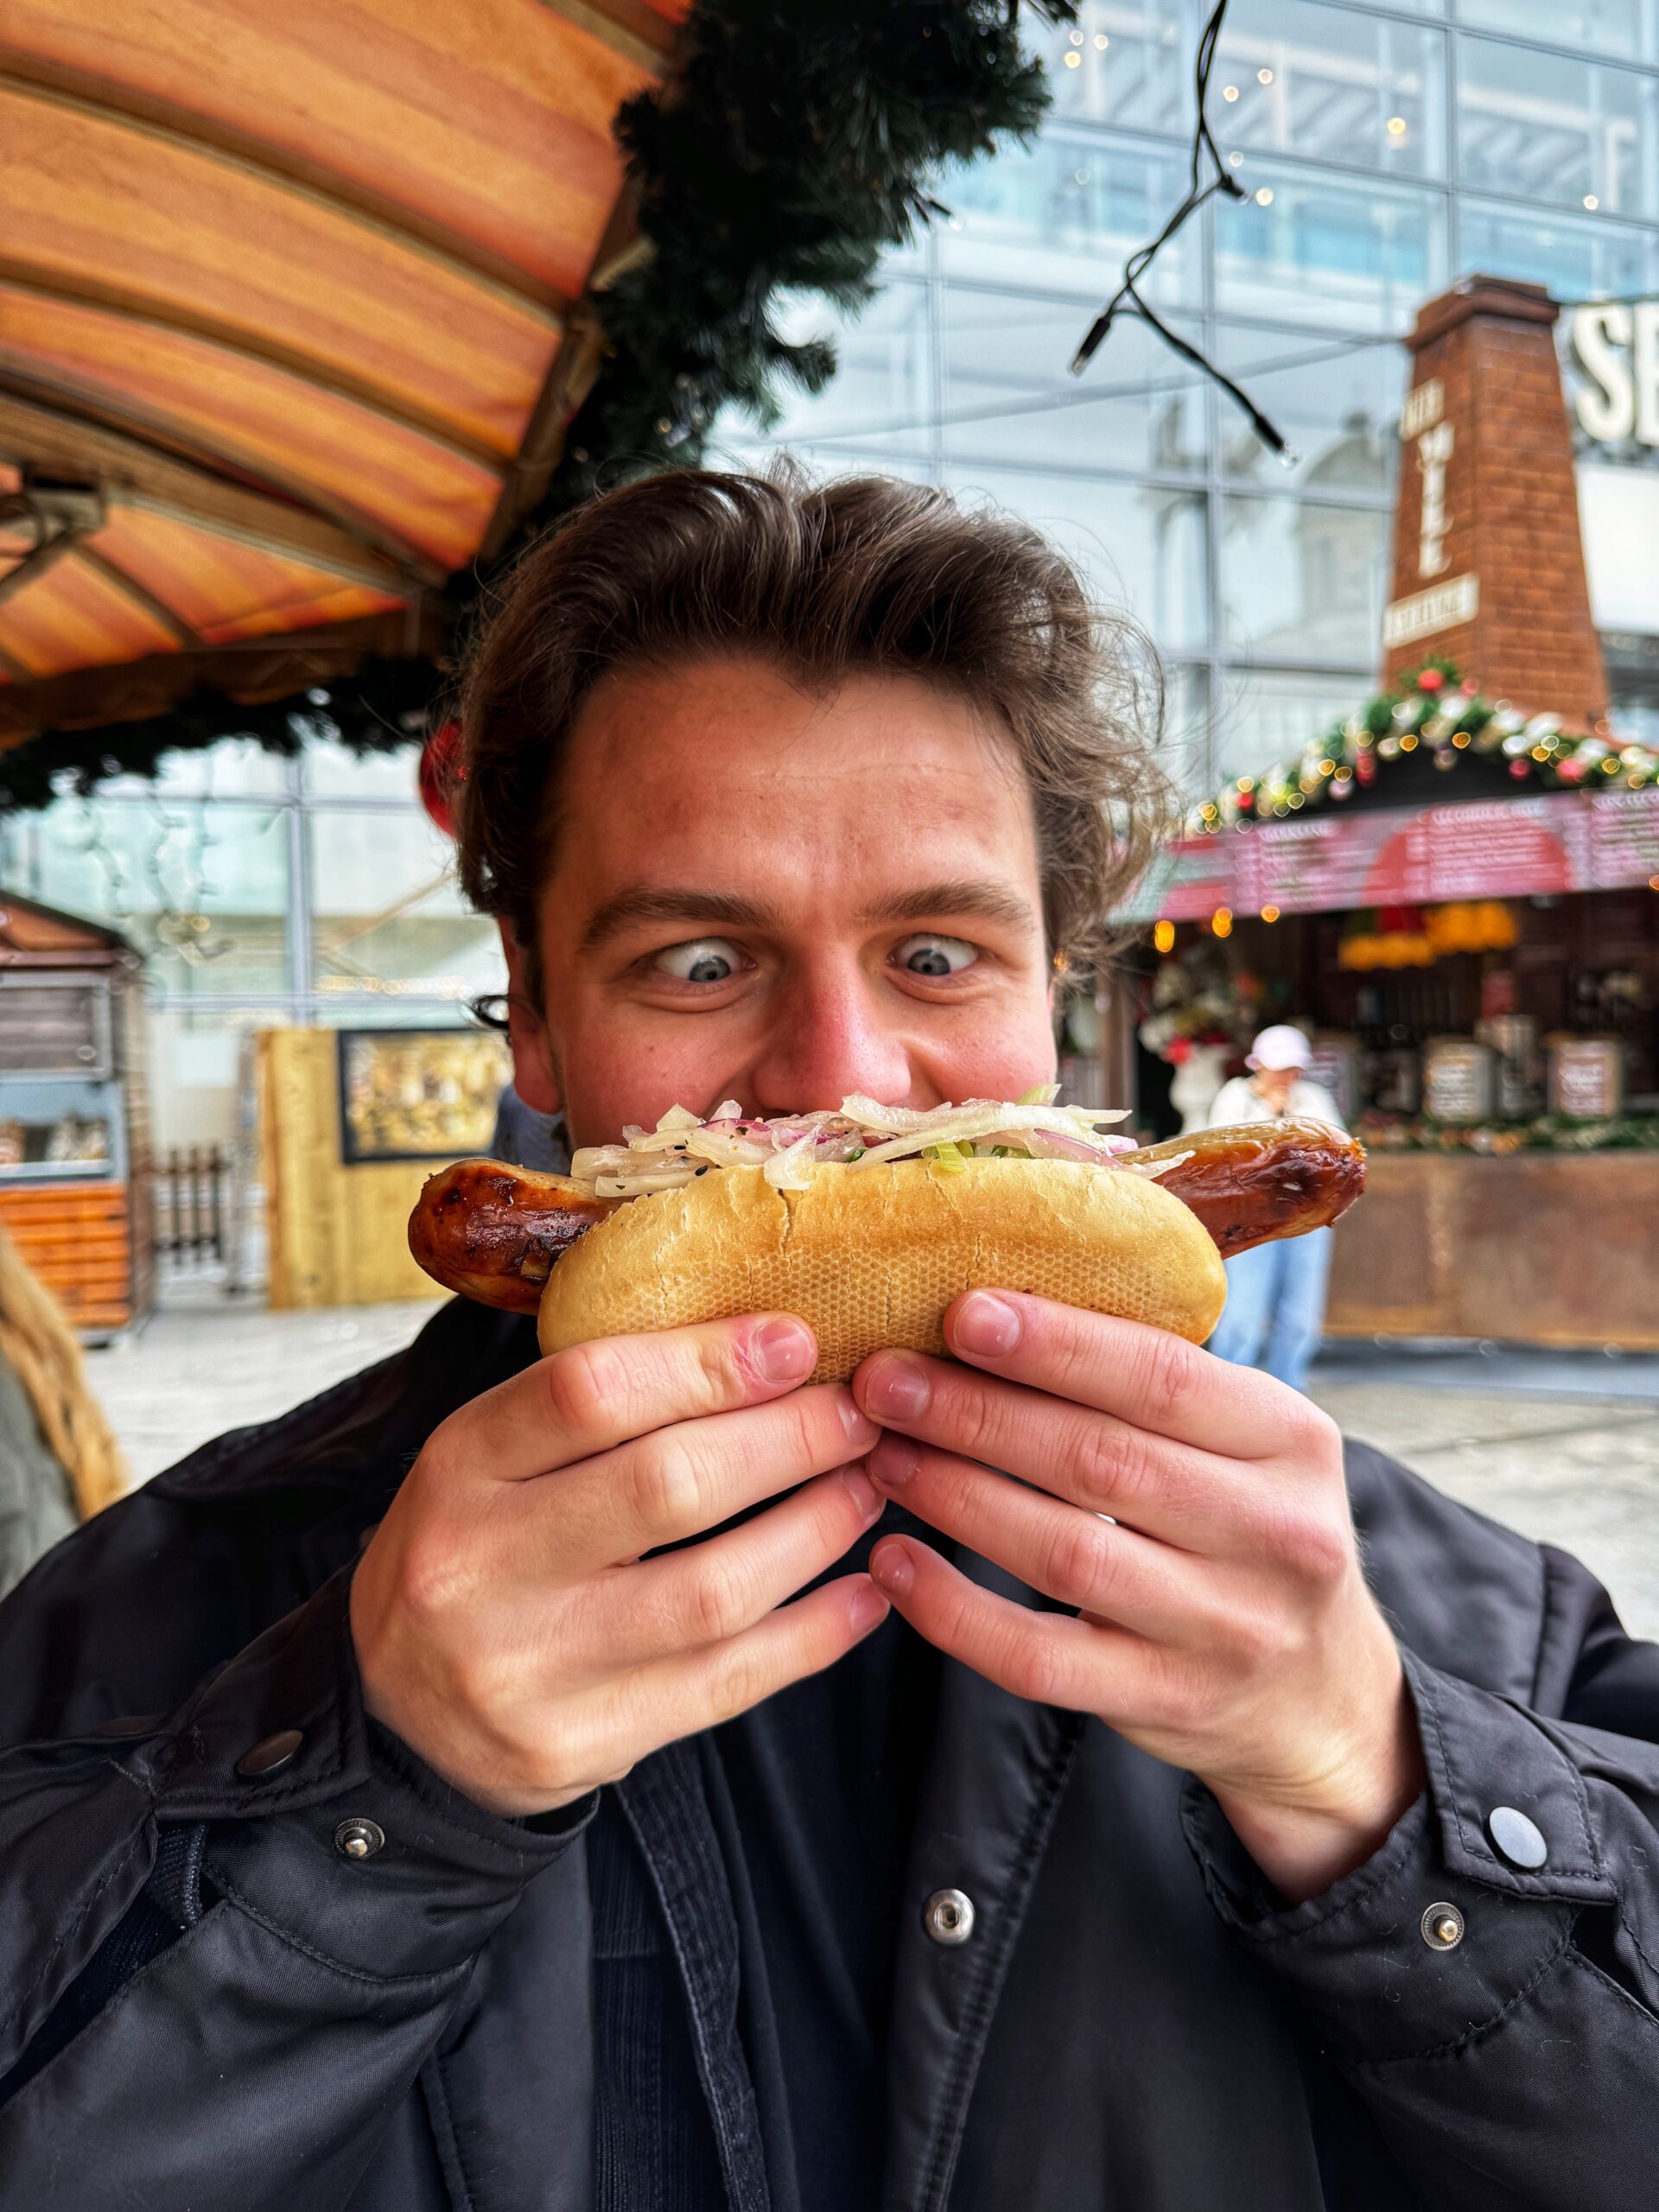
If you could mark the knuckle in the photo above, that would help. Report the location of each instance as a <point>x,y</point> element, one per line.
<point>435,1579</point>
<point>716,1603</point>
<point>1081,1565</point>
<point>487,1682</point>
<point>975,1419</point>
<point>586,1384</point>
<point>1316,1550</point>
<point>1253,1638</point>
<point>1114,1465</point>
<point>1035,1669</point>
<point>723,1354</point>
<point>668,1492</point>
<point>1310,1433</point>
<point>1169,1377</point>
<point>740,1680</point>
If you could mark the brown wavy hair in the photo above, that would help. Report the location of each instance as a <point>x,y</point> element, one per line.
<point>39,1345</point>
<point>867,574</point>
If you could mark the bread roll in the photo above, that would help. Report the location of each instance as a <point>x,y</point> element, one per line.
<point>872,1256</point>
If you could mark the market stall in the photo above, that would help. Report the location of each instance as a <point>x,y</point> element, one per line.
<point>75,1171</point>
<point>1481,978</point>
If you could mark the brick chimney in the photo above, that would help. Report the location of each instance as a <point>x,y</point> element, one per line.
<point>1488,566</point>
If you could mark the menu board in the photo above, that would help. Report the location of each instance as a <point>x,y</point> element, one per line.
<point>1486,849</point>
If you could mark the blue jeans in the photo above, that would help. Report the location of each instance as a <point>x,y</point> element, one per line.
<point>1275,1307</point>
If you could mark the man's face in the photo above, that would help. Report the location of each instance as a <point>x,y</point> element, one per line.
<point>763,895</point>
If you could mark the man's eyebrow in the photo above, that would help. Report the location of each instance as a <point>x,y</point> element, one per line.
<point>675,903</point>
<point>696,908</point>
<point>987,901</point>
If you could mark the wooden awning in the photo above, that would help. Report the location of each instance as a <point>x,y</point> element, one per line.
<point>289,323</point>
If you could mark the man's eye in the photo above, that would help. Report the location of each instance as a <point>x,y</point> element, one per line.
<point>705,960</point>
<point>935,955</point>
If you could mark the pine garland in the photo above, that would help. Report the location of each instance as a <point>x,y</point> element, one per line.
<point>1433,711</point>
<point>800,138</point>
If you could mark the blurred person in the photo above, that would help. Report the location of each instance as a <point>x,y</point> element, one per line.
<point>1274,1315</point>
<point>526,1138</point>
<point>1063,1775</point>
<point>59,1464</point>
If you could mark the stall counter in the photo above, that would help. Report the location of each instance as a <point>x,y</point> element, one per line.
<point>1537,1248</point>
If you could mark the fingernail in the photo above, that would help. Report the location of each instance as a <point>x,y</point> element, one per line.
<point>985,1324</point>
<point>860,1428</point>
<point>863,1491</point>
<point>893,1461</point>
<point>784,1352</point>
<point>867,1607</point>
<point>890,1566</point>
<point>896,1389</point>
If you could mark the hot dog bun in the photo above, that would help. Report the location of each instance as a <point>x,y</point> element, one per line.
<point>872,1256</point>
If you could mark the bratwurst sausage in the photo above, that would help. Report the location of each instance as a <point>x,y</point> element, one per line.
<point>493,1231</point>
<point>1257,1180</point>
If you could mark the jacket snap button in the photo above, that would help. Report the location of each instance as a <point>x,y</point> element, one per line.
<point>948,1916</point>
<point>265,1757</point>
<point>359,1838</point>
<point>1443,1928</point>
<point>1521,1840</point>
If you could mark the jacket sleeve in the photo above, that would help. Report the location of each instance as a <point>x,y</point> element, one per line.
<point>227,1970</point>
<point>1497,2009</point>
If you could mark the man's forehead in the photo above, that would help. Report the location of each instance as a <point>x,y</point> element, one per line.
<point>729,781</point>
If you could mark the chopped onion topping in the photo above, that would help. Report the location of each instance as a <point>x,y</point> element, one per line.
<point>863,1132</point>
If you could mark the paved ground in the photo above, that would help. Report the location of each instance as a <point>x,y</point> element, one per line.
<point>1564,1447</point>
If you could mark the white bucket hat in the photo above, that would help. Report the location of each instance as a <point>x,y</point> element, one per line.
<point>1279,1048</point>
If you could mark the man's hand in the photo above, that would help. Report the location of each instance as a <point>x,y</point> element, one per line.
<point>510,1629</point>
<point>1223,1623</point>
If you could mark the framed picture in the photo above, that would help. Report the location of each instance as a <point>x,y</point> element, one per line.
<point>418,1094</point>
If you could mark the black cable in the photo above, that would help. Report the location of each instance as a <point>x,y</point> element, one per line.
<point>1047,398</point>
<point>1127,299</point>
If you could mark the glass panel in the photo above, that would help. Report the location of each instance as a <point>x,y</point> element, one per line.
<point>1339,410</point>
<point>1295,78</point>
<point>333,771</point>
<point>1008,396</point>
<point>1539,126</point>
<point>1186,750</point>
<point>200,890</point>
<point>1574,256</point>
<point>1303,579</point>
<point>880,394</point>
<point>388,919</point>
<point>1617,26</point>
<point>1140,550</point>
<point>1127,62</point>
<point>236,768</point>
<point>1063,214</point>
<point>1315,251</point>
<point>1268,714</point>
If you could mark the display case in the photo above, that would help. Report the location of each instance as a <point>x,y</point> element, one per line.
<point>74,1154</point>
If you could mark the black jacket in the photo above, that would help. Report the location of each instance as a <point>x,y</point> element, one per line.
<point>209,2007</point>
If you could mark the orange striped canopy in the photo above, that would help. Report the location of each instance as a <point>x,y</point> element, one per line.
<point>290,323</point>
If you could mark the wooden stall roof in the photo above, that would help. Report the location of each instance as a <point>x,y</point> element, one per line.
<point>290,323</point>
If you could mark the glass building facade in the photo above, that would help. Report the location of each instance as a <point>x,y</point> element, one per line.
<point>1383,151</point>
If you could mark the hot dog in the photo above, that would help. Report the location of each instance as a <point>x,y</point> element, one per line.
<point>1057,1193</point>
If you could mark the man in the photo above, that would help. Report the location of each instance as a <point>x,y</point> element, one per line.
<point>640,1778</point>
<point>1275,1295</point>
